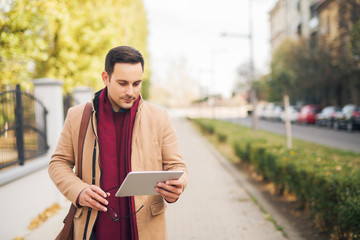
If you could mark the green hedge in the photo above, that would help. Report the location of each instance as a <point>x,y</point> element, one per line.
<point>326,180</point>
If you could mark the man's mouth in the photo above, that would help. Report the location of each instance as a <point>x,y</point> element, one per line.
<point>128,100</point>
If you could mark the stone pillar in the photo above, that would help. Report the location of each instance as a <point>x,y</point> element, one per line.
<point>49,92</point>
<point>83,95</point>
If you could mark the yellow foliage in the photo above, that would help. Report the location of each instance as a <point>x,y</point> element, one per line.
<point>42,217</point>
<point>67,40</point>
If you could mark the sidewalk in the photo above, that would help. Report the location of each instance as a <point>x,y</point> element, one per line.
<point>215,205</point>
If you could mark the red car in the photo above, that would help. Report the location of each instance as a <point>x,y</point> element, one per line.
<point>308,113</point>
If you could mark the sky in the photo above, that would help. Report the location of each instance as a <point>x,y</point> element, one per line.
<point>189,33</point>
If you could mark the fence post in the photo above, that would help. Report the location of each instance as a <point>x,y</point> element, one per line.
<point>19,126</point>
<point>82,94</point>
<point>49,92</point>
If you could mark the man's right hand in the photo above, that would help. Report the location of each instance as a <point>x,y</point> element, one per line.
<point>93,197</point>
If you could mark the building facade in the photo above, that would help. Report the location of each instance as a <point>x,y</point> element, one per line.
<point>329,30</point>
<point>292,19</point>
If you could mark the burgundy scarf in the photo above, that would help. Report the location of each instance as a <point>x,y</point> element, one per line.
<point>115,163</point>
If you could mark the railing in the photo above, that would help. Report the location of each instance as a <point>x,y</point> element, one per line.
<point>22,127</point>
<point>69,101</point>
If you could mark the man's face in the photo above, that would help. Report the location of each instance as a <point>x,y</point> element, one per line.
<point>124,86</point>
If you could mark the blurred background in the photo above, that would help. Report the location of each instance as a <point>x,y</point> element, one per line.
<point>292,61</point>
<point>214,52</point>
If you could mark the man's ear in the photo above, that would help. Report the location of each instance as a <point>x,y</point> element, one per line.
<point>105,78</point>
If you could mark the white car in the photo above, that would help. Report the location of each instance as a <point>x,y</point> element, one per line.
<point>293,114</point>
<point>268,111</point>
<point>276,113</point>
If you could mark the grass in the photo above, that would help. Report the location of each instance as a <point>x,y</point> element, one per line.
<point>323,179</point>
<point>320,153</point>
<point>268,216</point>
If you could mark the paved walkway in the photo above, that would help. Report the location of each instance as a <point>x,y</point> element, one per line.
<point>214,205</point>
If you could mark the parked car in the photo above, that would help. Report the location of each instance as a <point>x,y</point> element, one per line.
<point>308,113</point>
<point>276,113</point>
<point>261,111</point>
<point>348,118</point>
<point>327,116</point>
<point>268,111</point>
<point>293,114</point>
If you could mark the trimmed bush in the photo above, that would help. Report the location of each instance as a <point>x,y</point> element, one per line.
<point>221,137</point>
<point>326,180</point>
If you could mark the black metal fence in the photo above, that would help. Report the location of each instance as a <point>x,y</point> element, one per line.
<point>22,127</point>
<point>68,101</point>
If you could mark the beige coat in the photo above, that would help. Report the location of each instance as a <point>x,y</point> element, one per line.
<point>154,147</point>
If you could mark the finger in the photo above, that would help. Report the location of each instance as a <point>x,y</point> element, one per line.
<point>174,182</point>
<point>98,190</point>
<point>169,196</point>
<point>170,190</point>
<point>84,197</point>
<point>92,199</point>
<point>177,189</point>
<point>99,199</point>
<point>96,205</point>
<point>167,188</point>
<point>168,199</point>
<point>98,194</point>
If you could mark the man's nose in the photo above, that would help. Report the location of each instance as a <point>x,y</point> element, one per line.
<point>129,91</point>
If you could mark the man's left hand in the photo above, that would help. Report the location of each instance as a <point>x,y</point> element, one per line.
<point>170,190</point>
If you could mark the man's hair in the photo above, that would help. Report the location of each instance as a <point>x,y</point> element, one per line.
<point>122,54</point>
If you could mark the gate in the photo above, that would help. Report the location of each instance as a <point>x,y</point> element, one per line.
<point>22,127</point>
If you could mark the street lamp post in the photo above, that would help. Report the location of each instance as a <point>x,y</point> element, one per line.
<point>252,90</point>
<point>251,62</point>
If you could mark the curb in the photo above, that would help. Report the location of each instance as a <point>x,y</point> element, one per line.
<point>290,231</point>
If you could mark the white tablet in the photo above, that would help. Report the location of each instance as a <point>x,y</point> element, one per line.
<point>143,183</point>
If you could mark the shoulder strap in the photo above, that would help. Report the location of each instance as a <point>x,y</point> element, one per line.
<point>68,226</point>
<point>83,127</point>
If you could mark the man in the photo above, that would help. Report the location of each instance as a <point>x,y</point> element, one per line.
<point>125,134</point>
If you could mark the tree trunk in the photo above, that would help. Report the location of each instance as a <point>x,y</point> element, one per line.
<point>287,122</point>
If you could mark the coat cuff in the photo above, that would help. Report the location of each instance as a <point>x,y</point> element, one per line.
<point>75,193</point>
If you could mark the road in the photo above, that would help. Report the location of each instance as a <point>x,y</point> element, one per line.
<point>339,139</point>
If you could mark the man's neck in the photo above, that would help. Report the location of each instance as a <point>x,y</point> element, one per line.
<point>120,110</point>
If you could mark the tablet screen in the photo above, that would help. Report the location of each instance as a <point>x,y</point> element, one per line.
<point>143,183</point>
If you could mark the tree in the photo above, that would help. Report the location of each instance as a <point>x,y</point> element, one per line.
<point>283,76</point>
<point>345,52</point>
<point>261,87</point>
<point>355,40</point>
<point>283,70</point>
<point>22,30</point>
<point>328,74</point>
<point>245,79</point>
<point>75,37</point>
<point>320,76</point>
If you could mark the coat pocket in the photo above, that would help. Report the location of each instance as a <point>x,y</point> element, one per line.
<point>157,208</point>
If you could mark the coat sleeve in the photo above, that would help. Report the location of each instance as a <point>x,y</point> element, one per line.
<point>63,160</point>
<point>172,159</point>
